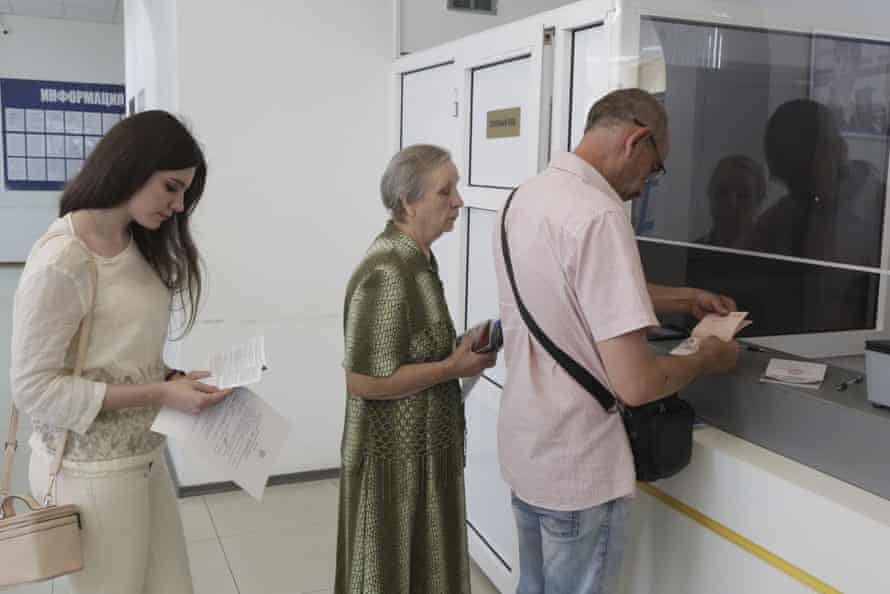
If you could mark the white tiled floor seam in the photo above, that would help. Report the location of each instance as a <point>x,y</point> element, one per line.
<point>222,548</point>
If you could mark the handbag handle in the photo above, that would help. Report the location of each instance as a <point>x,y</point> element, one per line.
<point>11,445</point>
<point>584,378</point>
<point>7,508</point>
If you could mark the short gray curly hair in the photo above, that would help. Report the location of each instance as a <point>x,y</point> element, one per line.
<point>407,175</point>
<point>626,105</point>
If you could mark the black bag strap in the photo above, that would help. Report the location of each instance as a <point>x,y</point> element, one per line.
<point>584,378</point>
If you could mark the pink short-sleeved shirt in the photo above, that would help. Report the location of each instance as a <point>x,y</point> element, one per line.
<point>578,271</point>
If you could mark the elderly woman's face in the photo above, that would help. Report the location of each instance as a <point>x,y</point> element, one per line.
<point>439,207</point>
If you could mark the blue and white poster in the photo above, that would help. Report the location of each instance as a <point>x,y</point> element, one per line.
<point>49,129</point>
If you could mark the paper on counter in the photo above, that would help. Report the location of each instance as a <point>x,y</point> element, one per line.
<point>241,436</point>
<point>801,374</point>
<point>723,327</point>
<point>241,366</point>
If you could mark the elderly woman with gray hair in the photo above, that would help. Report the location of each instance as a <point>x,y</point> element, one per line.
<point>402,516</point>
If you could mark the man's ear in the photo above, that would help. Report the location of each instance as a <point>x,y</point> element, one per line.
<point>632,140</point>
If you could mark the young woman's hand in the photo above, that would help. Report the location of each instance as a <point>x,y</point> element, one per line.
<point>195,375</point>
<point>187,394</point>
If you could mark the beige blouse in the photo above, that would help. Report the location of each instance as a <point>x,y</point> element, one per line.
<point>131,318</point>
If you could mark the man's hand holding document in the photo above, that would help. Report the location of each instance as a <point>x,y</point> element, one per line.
<point>242,435</point>
<point>722,327</point>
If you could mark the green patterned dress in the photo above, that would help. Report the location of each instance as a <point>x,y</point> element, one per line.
<point>402,526</point>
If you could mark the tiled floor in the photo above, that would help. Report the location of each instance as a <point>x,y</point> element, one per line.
<point>284,545</point>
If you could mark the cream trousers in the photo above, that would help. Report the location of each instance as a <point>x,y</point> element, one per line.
<point>132,536</point>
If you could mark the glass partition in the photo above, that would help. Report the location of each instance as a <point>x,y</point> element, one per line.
<point>777,172</point>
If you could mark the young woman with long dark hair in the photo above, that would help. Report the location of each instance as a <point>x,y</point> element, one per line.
<point>122,251</point>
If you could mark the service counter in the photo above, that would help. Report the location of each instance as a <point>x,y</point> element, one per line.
<point>788,491</point>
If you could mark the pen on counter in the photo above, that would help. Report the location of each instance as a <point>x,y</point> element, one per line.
<point>852,381</point>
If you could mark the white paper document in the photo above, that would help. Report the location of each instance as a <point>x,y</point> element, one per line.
<point>35,120</point>
<point>108,121</point>
<point>15,119</point>
<point>36,145</point>
<point>36,169</point>
<point>801,374</point>
<point>74,122</point>
<point>55,145</point>
<point>16,145</point>
<point>92,123</point>
<point>16,168</point>
<point>723,327</point>
<point>241,366</point>
<point>55,170</point>
<point>55,121</point>
<point>241,436</point>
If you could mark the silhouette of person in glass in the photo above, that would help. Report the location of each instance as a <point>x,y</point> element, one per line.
<point>735,192</point>
<point>817,219</point>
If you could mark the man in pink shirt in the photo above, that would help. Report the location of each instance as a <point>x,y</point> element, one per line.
<point>578,272</point>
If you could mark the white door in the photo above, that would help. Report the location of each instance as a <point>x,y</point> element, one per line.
<point>430,116</point>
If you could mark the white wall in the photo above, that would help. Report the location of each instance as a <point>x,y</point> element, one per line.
<point>152,52</point>
<point>291,103</point>
<point>46,49</point>
<point>426,23</point>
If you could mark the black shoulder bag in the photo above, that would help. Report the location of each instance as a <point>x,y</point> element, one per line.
<point>660,432</point>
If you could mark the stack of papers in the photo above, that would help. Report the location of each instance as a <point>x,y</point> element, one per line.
<point>242,435</point>
<point>723,327</point>
<point>241,366</point>
<point>800,374</point>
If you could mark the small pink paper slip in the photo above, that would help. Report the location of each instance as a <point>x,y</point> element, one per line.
<point>723,327</point>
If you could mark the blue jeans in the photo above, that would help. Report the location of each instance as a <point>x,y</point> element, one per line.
<point>570,552</point>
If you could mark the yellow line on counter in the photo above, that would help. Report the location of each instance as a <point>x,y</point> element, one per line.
<point>734,537</point>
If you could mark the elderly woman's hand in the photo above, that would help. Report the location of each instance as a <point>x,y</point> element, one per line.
<point>465,362</point>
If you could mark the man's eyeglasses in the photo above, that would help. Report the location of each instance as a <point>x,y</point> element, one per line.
<point>659,170</point>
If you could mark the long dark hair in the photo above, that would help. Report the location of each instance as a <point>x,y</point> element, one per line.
<point>794,133</point>
<point>123,161</point>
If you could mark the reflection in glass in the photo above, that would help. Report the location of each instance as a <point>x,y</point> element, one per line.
<point>735,192</point>
<point>816,219</point>
<point>779,146</point>
<point>749,92</point>
<point>851,77</point>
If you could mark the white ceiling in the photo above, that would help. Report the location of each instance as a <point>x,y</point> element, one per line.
<point>100,11</point>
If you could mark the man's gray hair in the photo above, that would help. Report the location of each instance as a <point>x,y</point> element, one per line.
<point>626,105</point>
<point>407,175</point>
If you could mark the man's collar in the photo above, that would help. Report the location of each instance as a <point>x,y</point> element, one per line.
<point>572,163</point>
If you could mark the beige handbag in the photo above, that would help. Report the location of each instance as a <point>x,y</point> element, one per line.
<point>44,541</point>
